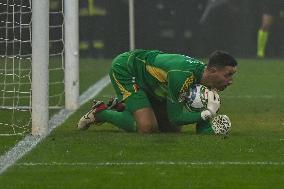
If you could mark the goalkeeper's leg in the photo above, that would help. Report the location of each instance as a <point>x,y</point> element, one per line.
<point>137,116</point>
<point>111,113</point>
<point>123,120</point>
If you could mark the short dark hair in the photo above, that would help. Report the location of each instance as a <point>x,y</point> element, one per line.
<point>221,59</point>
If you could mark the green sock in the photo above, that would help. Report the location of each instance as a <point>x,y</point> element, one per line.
<point>123,120</point>
<point>261,43</point>
<point>204,127</point>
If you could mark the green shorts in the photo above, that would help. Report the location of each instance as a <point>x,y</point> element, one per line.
<point>125,85</point>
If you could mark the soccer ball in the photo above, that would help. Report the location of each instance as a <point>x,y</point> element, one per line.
<point>197,98</point>
<point>221,125</point>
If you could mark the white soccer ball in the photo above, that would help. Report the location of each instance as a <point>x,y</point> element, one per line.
<point>221,125</point>
<point>197,98</point>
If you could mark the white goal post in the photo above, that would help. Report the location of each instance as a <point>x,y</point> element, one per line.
<point>39,63</point>
<point>40,59</point>
<point>71,34</point>
<point>25,62</point>
<point>131,24</point>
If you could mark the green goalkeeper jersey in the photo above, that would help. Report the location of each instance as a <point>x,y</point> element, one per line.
<point>165,76</point>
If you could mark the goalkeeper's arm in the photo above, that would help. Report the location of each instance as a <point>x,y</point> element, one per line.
<point>178,117</point>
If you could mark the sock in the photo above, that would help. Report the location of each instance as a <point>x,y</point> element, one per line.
<point>204,127</point>
<point>123,120</point>
<point>261,43</point>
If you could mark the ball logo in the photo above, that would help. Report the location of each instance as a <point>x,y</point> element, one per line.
<point>197,98</point>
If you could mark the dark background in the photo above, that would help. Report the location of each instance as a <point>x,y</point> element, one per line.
<point>177,26</point>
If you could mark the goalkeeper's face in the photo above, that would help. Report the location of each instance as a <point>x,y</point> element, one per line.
<point>222,77</point>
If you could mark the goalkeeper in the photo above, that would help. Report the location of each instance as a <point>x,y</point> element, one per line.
<point>150,87</point>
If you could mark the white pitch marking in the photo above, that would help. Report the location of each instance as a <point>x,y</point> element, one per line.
<point>184,163</point>
<point>29,142</point>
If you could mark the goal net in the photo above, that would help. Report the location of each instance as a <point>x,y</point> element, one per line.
<point>16,64</point>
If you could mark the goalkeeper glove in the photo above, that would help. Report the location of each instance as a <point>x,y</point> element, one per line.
<point>213,105</point>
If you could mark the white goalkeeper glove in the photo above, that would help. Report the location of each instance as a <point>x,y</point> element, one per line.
<point>213,105</point>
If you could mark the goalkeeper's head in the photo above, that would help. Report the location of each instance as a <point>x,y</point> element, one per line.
<point>219,71</point>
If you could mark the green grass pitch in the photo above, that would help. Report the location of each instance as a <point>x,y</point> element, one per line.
<point>105,157</point>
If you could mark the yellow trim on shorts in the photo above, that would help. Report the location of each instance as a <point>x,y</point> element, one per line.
<point>125,93</point>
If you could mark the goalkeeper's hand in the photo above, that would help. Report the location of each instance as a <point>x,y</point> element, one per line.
<point>213,105</point>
